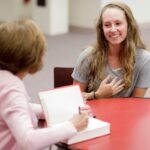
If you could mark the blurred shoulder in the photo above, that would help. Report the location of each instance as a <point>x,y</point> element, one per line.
<point>86,51</point>
<point>143,55</point>
<point>9,80</point>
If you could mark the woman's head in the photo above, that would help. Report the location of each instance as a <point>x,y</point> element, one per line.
<point>22,46</point>
<point>114,26</point>
<point>130,40</point>
<point>132,34</point>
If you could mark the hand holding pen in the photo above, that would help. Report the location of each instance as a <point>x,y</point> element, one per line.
<point>87,110</point>
<point>80,121</point>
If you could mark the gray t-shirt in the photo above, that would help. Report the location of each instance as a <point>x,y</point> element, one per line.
<point>141,74</point>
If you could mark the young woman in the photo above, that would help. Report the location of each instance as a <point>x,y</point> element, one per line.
<point>118,65</point>
<point>22,47</point>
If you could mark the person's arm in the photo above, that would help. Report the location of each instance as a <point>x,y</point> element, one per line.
<point>83,87</point>
<point>139,92</point>
<point>143,74</point>
<point>16,114</point>
<point>81,71</point>
<point>107,88</point>
<point>37,108</point>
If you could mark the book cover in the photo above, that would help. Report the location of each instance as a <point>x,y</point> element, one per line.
<point>60,104</point>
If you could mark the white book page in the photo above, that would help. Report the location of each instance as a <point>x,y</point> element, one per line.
<point>61,104</point>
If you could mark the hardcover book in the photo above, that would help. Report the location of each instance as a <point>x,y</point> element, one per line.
<point>60,104</point>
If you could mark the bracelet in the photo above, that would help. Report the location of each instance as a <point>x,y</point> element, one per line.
<point>94,95</point>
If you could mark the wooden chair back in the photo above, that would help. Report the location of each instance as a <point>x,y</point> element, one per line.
<point>62,76</point>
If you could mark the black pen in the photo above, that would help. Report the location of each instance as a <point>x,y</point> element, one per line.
<point>79,110</point>
<point>94,116</point>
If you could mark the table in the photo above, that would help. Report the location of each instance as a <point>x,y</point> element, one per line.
<point>130,124</point>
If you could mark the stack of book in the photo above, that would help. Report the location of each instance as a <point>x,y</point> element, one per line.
<point>60,104</point>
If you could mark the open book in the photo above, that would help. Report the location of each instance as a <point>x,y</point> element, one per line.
<point>61,104</point>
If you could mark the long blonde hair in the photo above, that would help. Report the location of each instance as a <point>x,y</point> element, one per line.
<point>130,45</point>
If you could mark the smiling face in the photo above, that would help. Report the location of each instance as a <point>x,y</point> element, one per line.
<point>114,26</point>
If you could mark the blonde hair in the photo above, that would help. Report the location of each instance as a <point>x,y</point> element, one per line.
<point>22,46</point>
<point>130,45</point>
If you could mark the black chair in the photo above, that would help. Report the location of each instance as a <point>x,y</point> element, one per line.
<point>62,76</point>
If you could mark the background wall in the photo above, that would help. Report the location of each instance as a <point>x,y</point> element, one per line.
<point>14,9</point>
<point>139,8</point>
<point>64,49</point>
<point>84,13</point>
<point>81,13</point>
<point>52,18</point>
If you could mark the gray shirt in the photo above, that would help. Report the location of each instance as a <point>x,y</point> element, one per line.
<point>141,74</point>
